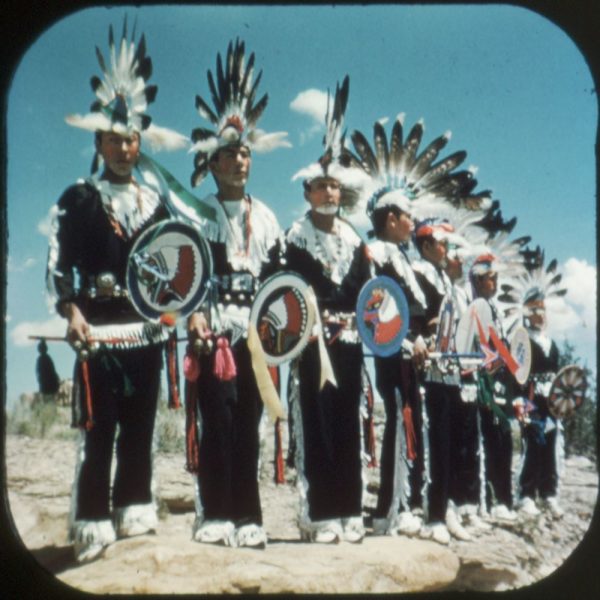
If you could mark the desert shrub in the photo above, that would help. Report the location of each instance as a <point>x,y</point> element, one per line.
<point>40,417</point>
<point>169,429</point>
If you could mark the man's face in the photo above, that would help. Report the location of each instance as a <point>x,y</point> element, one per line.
<point>486,285</point>
<point>324,194</point>
<point>399,227</point>
<point>454,267</point>
<point>120,153</point>
<point>535,314</point>
<point>231,166</point>
<point>434,251</point>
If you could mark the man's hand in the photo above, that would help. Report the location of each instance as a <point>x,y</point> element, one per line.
<point>78,327</point>
<point>420,353</point>
<point>197,327</point>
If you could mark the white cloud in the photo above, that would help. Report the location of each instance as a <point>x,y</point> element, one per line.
<point>573,317</point>
<point>311,102</point>
<point>24,265</point>
<point>54,327</point>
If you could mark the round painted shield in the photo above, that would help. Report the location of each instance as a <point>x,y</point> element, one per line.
<point>382,316</point>
<point>283,316</point>
<point>567,392</point>
<point>476,320</point>
<point>168,270</point>
<point>520,349</point>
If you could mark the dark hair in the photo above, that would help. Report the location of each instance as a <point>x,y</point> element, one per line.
<point>98,136</point>
<point>420,241</point>
<point>379,218</point>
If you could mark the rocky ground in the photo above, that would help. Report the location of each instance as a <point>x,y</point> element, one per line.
<point>39,474</point>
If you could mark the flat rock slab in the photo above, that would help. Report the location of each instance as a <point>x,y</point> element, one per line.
<point>148,565</point>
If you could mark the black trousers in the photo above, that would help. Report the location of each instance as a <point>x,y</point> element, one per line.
<point>464,485</point>
<point>331,431</point>
<point>229,442</point>
<point>539,474</point>
<point>394,374</point>
<point>124,388</point>
<point>497,445</point>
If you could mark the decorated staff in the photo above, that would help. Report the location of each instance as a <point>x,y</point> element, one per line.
<point>95,224</point>
<point>228,382</point>
<point>326,383</point>
<point>525,301</point>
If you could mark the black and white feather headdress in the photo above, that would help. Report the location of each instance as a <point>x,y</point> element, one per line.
<point>235,115</point>
<point>400,175</point>
<point>334,160</point>
<point>123,95</point>
<point>536,283</point>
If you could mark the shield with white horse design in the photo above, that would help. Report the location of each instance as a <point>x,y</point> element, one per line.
<point>382,316</point>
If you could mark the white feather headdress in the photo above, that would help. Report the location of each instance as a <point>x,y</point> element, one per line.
<point>123,95</point>
<point>536,283</point>
<point>235,113</point>
<point>334,160</point>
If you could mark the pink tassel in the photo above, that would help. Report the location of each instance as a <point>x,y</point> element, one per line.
<point>224,368</point>
<point>191,366</point>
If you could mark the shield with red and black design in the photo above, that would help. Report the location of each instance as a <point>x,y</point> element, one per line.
<point>382,316</point>
<point>283,315</point>
<point>567,392</point>
<point>168,270</point>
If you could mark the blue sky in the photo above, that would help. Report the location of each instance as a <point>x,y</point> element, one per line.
<point>510,85</point>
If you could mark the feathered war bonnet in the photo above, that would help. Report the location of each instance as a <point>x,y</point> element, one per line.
<point>401,176</point>
<point>235,115</point>
<point>521,294</point>
<point>334,162</point>
<point>123,96</point>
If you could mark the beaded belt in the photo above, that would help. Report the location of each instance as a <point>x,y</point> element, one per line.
<point>127,335</point>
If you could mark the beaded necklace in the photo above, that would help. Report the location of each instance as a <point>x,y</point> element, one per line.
<point>246,230</point>
<point>321,250</point>
<point>112,218</point>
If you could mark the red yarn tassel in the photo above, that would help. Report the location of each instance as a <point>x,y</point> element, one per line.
<point>88,394</point>
<point>279,464</point>
<point>370,422</point>
<point>192,449</point>
<point>174,401</point>
<point>411,438</point>
<point>279,468</point>
<point>224,368</point>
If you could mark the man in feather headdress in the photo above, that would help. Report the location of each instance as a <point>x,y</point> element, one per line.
<point>494,394</point>
<point>326,379</point>
<point>526,300</point>
<point>95,224</point>
<point>224,405</point>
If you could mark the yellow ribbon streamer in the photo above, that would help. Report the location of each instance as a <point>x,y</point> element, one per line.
<point>326,368</point>
<point>266,387</point>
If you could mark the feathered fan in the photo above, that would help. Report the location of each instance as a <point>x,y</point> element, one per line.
<point>399,168</point>
<point>235,113</point>
<point>123,95</point>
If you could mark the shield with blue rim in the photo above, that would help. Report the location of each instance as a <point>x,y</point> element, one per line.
<point>382,316</point>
